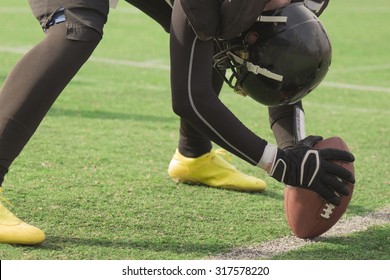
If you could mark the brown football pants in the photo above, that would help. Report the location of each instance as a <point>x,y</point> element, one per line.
<point>32,87</point>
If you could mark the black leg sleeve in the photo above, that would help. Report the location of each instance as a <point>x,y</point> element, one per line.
<point>192,143</point>
<point>193,96</point>
<point>288,124</point>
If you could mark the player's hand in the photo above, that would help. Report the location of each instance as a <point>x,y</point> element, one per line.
<point>307,167</point>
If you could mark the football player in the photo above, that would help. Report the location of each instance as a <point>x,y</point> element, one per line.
<point>73,30</point>
<point>278,52</point>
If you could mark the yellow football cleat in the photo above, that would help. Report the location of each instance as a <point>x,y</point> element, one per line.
<point>15,231</point>
<point>212,170</point>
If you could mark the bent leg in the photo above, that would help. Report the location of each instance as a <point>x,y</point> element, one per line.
<point>195,100</point>
<point>193,143</point>
<point>32,87</point>
<point>72,33</point>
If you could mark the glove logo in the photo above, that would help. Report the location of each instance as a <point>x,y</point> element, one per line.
<point>307,163</point>
<point>327,211</point>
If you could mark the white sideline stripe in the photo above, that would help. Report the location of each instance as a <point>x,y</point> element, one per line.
<point>15,50</point>
<point>15,10</point>
<point>156,65</point>
<point>346,108</point>
<point>278,246</point>
<point>146,64</point>
<point>140,86</point>
<point>365,68</point>
<point>355,87</point>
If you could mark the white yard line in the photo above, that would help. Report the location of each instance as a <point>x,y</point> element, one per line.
<point>14,50</point>
<point>346,108</point>
<point>146,64</point>
<point>121,62</point>
<point>355,87</point>
<point>15,10</point>
<point>278,246</point>
<point>364,68</point>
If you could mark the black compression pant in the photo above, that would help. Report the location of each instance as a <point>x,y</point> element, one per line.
<point>194,98</point>
<point>192,143</point>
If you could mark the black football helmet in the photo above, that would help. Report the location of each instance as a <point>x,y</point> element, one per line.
<point>290,57</point>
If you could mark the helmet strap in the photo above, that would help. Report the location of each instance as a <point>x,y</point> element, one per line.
<point>276,19</point>
<point>256,69</point>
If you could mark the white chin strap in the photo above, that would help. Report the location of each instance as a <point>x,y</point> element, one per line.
<point>275,19</point>
<point>256,69</point>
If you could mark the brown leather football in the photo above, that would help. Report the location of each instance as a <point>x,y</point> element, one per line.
<point>309,215</point>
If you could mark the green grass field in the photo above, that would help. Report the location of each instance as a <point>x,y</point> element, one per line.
<point>94,175</point>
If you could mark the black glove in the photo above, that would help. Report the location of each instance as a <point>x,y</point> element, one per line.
<point>316,6</point>
<point>307,167</point>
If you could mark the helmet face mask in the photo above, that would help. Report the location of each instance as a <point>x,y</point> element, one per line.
<point>290,57</point>
<point>223,60</point>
